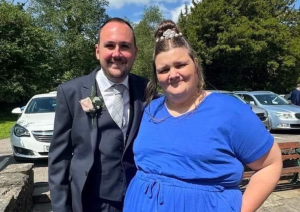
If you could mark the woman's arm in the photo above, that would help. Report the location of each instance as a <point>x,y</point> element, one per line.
<point>268,170</point>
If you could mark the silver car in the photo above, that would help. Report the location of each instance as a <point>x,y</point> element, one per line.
<point>260,112</point>
<point>282,114</point>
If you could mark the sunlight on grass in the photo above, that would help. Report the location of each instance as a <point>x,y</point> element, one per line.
<point>6,123</point>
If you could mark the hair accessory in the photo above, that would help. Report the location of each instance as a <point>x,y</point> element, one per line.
<point>169,34</point>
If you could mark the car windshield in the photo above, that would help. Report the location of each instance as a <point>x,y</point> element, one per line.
<point>42,105</point>
<point>271,99</point>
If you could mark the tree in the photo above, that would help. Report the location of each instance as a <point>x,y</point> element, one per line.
<point>182,19</point>
<point>75,25</point>
<point>25,55</point>
<point>246,44</point>
<point>144,32</point>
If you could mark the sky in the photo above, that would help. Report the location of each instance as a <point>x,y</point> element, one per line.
<point>133,9</point>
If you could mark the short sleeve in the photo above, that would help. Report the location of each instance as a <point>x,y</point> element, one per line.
<point>250,139</point>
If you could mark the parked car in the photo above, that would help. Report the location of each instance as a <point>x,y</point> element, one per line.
<point>31,135</point>
<point>282,114</point>
<point>288,97</point>
<point>260,112</point>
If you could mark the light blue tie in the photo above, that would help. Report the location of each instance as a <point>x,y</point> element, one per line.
<point>118,106</point>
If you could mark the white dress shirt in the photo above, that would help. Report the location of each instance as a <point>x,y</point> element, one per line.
<point>107,92</point>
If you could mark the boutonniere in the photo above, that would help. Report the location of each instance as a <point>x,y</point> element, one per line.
<point>92,104</point>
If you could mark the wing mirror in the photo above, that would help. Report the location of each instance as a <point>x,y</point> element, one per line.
<point>16,111</point>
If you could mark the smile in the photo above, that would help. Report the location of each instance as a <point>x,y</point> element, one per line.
<point>117,63</point>
<point>175,83</point>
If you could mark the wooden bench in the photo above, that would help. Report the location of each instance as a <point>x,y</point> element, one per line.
<point>290,158</point>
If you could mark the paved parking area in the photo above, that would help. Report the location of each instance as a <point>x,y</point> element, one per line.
<point>286,200</point>
<point>5,153</point>
<point>6,158</point>
<point>41,169</point>
<point>286,135</point>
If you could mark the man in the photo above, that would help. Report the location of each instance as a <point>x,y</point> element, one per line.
<point>295,96</point>
<point>91,159</point>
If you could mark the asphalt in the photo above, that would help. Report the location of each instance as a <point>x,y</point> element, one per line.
<point>283,201</point>
<point>285,198</point>
<point>279,201</point>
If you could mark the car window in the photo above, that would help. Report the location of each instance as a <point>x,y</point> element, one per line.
<point>42,105</point>
<point>248,99</point>
<point>236,96</point>
<point>271,99</point>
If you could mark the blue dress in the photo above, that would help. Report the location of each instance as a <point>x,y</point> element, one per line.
<point>194,162</point>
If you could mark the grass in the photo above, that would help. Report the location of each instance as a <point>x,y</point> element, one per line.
<point>6,122</point>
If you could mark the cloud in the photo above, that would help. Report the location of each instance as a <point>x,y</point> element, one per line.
<point>138,14</point>
<point>117,4</point>
<point>165,11</point>
<point>176,11</point>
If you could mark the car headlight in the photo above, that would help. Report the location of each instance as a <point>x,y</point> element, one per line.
<point>21,131</point>
<point>284,115</point>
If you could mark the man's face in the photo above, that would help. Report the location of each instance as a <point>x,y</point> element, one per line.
<point>116,51</point>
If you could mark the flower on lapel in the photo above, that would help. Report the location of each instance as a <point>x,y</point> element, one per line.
<point>87,105</point>
<point>91,104</point>
<point>98,102</point>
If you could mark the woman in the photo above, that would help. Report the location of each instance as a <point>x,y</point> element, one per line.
<point>192,144</point>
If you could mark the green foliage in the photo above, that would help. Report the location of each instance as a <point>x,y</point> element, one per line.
<point>6,123</point>
<point>144,33</point>
<point>24,55</point>
<point>246,44</point>
<point>75,25</point>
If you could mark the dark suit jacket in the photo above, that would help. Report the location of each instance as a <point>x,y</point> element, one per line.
<point>295,97</point>
<point>71,155</point>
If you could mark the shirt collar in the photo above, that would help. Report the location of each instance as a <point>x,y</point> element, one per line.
<point>104,83</point>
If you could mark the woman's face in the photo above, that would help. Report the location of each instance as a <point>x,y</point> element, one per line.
<point>176,74</point>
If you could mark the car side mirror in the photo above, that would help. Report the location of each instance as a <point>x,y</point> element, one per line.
<point>16,111</point>
<point>252,102</point>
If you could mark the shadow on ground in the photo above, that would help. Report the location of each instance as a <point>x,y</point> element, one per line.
<point>36,162</point>
<point>2,157</point>
<point>287,186</point>
<point>41,163</point>
<point>5,160</point>
<point>284,132</point>
<point>44,207</point>
<point>283,185</point>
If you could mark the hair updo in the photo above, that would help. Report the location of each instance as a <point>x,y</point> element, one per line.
<point>164,44</point>
<point>164,26</point>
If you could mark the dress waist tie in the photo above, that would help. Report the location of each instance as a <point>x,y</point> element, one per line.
<point>149,190</point>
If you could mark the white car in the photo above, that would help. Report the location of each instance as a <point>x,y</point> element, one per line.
<point>31,135</point>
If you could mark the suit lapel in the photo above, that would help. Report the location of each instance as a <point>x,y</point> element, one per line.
<point>86,92</point>
<point>136,108</point>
